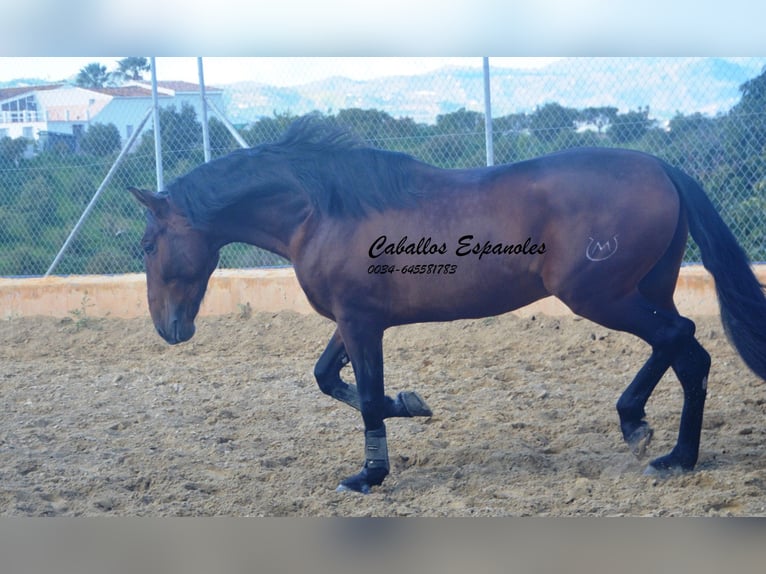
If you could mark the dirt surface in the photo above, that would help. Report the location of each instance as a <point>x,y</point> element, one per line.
<point>101,417</point>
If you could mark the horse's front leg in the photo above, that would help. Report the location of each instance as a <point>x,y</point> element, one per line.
<point>364,344</point>
<point>327,374</point>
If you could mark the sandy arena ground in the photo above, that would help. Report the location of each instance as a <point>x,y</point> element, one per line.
<point>101,417</point>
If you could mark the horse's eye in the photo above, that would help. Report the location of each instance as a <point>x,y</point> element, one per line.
<point>149,248</point>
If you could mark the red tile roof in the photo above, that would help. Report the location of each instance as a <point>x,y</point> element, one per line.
<point>138,90</point>
<point>7,93</point>
<point>185,86</point>
<point>127,92</point>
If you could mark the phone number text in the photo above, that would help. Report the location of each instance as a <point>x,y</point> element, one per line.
<point>424,269</point>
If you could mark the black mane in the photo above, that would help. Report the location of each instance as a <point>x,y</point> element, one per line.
<point>341,176</point>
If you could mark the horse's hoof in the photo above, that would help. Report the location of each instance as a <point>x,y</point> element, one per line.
<point>414,404</point>
<point>639,440</point>
<point>363,481</point>
<point>365,489</point>
<point>666,467</point>
<point>662,473</point>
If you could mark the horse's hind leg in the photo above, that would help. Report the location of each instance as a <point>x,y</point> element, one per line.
<point>691,366</point>
<point>327,374</point>
<point>657,287</point>
<point>673,344</point>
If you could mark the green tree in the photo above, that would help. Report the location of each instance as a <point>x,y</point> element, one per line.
<point>630,126</point>
<point>746,122</point>
<point>753,95</point>
<point>453,150</point>
<point>132,68</point>
<point>101,140</point>
<point>181,138</point>
<point>694,143</point>
<point>744,180</point>
<point>374,126</point>
<point>93,75</point>
<point>460,122</point>
<point>221,141</point>
<point>510,124</point>
<point>600,117</point>
<point>268,129</point>
<point>457,140</point>
<point>550,121</point>
<point>12,151</point>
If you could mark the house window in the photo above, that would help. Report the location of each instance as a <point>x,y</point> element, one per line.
<point>20,110</point>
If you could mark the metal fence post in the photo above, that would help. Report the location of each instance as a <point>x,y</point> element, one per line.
<point>203,102</point>
<point>157,136</point>
<point>488,116</point>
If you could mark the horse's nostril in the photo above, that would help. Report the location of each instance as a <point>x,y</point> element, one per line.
<point>176,331</point>
<point>170,332</point>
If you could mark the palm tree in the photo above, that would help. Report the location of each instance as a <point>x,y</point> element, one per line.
<point>132,68</point>
<point>92,76</point>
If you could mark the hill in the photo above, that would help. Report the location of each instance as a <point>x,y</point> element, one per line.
<point>666,85</point>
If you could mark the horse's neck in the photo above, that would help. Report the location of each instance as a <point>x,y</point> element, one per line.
<point>266,223</point>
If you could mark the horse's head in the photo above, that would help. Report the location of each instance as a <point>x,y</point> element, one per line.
<point>179,260</point>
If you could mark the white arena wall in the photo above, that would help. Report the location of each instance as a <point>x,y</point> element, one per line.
<point>124,296</point>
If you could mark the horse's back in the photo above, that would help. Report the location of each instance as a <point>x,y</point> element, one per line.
<point>604,216</point>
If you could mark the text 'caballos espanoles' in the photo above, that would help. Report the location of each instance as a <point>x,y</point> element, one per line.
<point>466,245</point>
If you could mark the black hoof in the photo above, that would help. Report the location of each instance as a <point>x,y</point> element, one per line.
<point>667,466</point>
<point>639,439</point>
<point>414,404</point>
<point>363,481</point>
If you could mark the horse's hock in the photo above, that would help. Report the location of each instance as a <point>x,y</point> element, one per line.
<point>253,290</point>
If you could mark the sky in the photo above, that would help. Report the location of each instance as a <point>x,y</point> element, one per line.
<point>374,28</point>
<point>367,34</point>
<point>268,70</point>
<point>331,28</point>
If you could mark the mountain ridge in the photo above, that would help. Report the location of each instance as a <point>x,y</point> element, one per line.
<point>706,85</point>
<point>667,86</point>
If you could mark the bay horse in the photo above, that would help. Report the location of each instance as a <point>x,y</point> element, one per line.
<point>379,239</point>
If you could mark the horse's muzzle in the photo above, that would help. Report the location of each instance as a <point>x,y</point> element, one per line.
<point>176,331</point>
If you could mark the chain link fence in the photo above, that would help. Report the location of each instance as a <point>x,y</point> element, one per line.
<point>60,145</point>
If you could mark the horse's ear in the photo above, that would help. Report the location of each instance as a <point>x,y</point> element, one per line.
<point>154,202</point>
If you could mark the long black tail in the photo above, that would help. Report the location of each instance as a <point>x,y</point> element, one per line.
<point>740,295</point>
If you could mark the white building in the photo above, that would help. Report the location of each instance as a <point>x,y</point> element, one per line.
<point>67,111</point>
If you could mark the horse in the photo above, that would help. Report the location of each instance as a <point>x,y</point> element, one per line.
<point>379,239</point>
